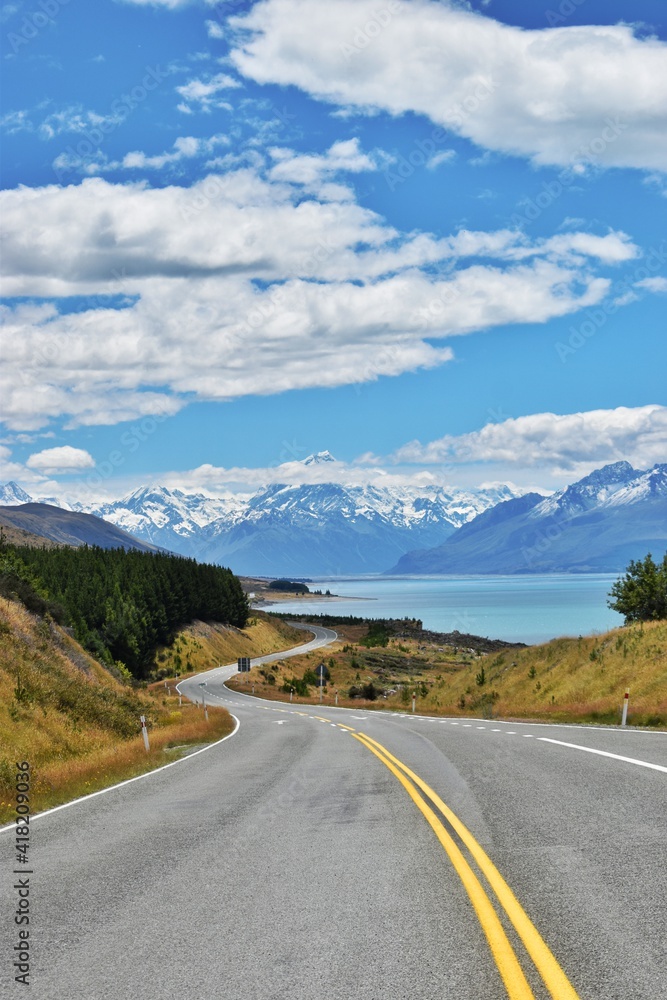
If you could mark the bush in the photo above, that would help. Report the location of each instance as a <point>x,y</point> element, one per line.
<point>377,635</point>
<point>298,684</point>
<point>641,595</point>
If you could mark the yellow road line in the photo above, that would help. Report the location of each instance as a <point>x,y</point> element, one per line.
<point>553,976</point>
<point>508,965</point>
<point>341,726</point>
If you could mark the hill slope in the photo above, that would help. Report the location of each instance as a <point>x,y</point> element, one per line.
<point>595,525</point>
<point>67,527</point>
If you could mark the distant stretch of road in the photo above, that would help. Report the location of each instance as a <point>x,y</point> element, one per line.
<point>333,854</point>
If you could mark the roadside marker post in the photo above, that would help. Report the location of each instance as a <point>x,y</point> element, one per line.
<point>203,701</point>
<point>291,694</point>
<point>626,698</point>
<point>144,732</point>
<point>180,700</point>
<point>414,698</point>
<point>336,697</point>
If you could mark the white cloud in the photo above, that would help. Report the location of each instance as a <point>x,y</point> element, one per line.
<point>240,285</point>
<point>216,479</point>
<point>214,29</point>
<point>59,460</point>
<point>185,148</point>
<point>16,121</point>
<point>592,94</point>
<point>656,284</point>
<point>204,94</point>
<point>311,169</point>
<point>444,156</point>
<point>575,443</point>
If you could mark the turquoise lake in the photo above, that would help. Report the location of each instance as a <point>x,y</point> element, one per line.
<point>515,608</point>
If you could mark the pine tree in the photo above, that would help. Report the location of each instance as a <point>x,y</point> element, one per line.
<point>641,595</point>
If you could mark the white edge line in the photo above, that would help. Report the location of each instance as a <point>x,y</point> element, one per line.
<point>128,781</point>
<point>605,753</point>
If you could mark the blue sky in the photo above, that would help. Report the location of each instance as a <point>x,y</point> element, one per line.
<point>427,236</point>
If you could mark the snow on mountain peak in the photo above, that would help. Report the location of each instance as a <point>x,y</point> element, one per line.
<point>11,495</point>
<point>319,458</point>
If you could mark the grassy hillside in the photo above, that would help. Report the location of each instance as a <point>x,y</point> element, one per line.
<point>565,680</point>
<point>78,725</point>
<point>202,645</point>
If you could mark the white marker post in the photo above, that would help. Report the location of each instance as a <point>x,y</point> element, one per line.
<point>626,698</point>
<point>144,732</point>
<point>336,697</point>
<point>203,701</point>
<point>321,688</point>
<point>291,694</point>
<point>414,696</point>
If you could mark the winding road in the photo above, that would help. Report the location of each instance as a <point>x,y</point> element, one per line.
<point>334,854</point>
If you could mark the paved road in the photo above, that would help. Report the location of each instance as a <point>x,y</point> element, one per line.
<point>291,862</point>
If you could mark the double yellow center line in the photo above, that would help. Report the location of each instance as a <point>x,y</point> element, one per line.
<point>508,964</point>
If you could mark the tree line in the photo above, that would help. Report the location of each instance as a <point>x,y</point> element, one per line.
<point>122,605</point>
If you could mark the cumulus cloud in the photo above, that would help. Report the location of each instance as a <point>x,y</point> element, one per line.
<point>564,96</point>
<point>239,285</point>
<point>308,169</point>
<point>59,460</point>
<point>563,443</point>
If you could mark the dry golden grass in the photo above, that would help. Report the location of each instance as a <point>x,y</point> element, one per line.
<point>75,723</point>
<point>201,645</point>
<point>565,680</point>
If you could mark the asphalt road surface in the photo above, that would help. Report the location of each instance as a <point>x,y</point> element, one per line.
<point>332,854</point>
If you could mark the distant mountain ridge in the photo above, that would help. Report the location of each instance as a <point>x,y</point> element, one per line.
<point>311,529</point>
<point>66,527</point>
<point>597,524</point>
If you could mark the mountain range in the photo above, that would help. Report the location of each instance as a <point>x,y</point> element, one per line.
<point>306,530</point>
<point>597,524</point>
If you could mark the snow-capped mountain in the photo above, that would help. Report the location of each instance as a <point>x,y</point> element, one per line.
<point>326,528</point>
<point>306,530</point>
<point>11,495</point>
<point>598,524</point>
<point>169,518</point>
